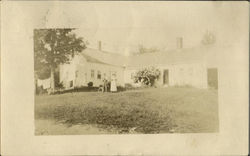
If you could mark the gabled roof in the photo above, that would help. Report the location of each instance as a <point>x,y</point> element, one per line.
<point>188,55</point>
<point>91,59</point>
<point>102,57</point>
<point>166,57</point>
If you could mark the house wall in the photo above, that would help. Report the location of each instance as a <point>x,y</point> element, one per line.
<point>105,71</point>
<point>44,83</point>
<point>68,71</point>
<point>79,71</point>
<point>193,74</point>
<point>67,74</point>
<point>80,74</point>
<point>128,75</point>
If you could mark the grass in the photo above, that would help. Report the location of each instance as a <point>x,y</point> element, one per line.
<point>151,110</point>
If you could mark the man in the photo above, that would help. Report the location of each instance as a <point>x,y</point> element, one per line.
<point>105,85</point>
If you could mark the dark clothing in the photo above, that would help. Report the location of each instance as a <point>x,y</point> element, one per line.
<point>105,85</point>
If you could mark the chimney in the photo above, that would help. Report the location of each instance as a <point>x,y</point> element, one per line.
<point>179,42</point>
<point>100,45</point>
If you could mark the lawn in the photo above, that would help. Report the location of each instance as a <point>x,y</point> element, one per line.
<point>151,110</point>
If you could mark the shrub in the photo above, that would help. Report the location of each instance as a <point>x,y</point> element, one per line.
<point>59,88</point>
<point>121,88</point>
<point>90,84</point>
<point>147,76</point>
<point>40,90</point>
<point>128,86</point>
<point>86,89</point>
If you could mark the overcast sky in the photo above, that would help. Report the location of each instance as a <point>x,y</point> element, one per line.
<point>122,26</point>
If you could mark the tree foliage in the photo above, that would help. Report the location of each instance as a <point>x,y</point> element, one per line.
<point>208,38</point>
<point>147,75</point>
<point>142,50</point>
<point>53,47</point>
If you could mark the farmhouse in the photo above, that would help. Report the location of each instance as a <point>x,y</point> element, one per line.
<point>181,67</point>
<point>193,67</point>
<point>196,67</point>
<point>91,66</point>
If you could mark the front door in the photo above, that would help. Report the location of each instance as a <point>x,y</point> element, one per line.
<point>165,77</point>
<point>212,78</point>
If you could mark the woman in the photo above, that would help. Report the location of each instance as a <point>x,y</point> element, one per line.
<point>113,87</point>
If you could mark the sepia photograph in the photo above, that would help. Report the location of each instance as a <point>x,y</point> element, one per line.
<point>124,78</point>
<point>163,78</point>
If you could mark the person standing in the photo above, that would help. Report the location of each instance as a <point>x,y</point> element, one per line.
<point>113,87</point>
<point>105,85</point>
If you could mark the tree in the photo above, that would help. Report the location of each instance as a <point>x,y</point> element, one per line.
<point>142,49</point>
<point>147,75</point>
<point>53,47</point>
<point>208,38</point>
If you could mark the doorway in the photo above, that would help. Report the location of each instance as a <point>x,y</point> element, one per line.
<point>212,78</point>
<point>166,77</point>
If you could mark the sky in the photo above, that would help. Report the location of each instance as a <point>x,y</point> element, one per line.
<point>122,26</point>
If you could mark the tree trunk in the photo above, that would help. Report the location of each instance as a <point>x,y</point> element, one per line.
<point>52,80</point>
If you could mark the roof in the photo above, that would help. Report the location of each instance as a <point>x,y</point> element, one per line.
<point>91,59</point>
<point>188,55</point>
<point>102,57</point>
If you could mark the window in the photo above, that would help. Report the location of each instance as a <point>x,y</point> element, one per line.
<point>92,73</point>
<point>99,76</point>
<point>212,77</point>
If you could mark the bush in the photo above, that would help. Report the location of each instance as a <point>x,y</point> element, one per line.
<point>60,86</point>
<point>147,76</point>
<point>120,88</point>
<point>77,89</point>
<point>90,84</point>
<point>128,86</point>
<point>40,90</point>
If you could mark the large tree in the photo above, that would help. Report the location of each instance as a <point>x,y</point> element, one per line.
<point>53,47</point>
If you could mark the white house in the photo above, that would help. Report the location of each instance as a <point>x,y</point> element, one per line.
<point>90,66</point>
<point>196,67</point>
<point>193,66</point>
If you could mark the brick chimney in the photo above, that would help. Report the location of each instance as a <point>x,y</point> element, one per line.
<point>100,45</point>
<point>179,42</point>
